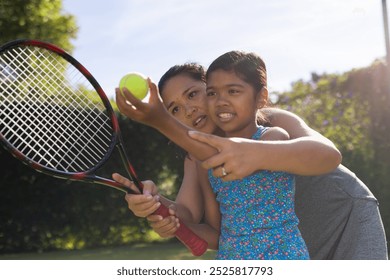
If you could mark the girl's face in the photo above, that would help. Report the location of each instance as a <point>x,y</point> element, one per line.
<point>185,99</point>
<point>233,103</point>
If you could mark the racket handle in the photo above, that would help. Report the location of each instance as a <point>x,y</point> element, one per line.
<point>194,243</point>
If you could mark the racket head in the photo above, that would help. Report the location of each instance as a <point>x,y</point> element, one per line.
<point>42,88</point>
<point>40,123</point>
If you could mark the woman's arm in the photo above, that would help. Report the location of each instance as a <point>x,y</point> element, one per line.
<point>311,152</point>
<point>306,153</point>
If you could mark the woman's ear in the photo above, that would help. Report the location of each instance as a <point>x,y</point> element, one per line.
<point>262,98</point>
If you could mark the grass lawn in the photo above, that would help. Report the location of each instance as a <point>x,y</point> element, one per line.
<point>155,251</point>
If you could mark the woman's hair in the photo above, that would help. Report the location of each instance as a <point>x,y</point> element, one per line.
<point>192,69</point>
<point>248,66</point>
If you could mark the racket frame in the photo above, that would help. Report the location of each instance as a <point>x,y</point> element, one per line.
<point>89,175</point>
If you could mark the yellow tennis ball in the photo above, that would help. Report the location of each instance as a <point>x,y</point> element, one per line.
<point>136,83</point>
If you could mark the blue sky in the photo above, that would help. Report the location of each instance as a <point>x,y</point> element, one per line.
<point>294,37</point>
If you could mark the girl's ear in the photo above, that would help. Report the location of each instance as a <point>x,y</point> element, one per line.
<point>262,98</point>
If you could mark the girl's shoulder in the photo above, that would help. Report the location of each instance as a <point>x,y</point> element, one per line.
<point>272,133</point>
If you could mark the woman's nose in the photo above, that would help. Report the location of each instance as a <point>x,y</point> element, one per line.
<point>190,110</point>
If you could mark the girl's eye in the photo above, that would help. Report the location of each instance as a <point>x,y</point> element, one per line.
<point>210,93</point>
<point>233,91</point>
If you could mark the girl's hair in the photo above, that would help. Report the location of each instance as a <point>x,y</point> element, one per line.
<point>192,69</point>
<point>247,66</point>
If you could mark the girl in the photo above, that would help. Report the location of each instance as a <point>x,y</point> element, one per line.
<point>258,217</point>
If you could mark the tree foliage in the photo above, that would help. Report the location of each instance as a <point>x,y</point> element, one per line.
<point>36,19</point>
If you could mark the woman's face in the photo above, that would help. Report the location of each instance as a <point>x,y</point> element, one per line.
<point>185,99</point>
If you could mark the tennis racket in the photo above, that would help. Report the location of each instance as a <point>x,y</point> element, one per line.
<point>55,117</point>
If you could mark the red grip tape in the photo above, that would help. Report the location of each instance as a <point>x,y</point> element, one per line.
<point>194,243</point>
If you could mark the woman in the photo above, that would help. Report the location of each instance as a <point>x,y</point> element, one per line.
<point>328,206</point>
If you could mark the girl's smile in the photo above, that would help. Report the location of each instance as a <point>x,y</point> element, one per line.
<point>232,103</point>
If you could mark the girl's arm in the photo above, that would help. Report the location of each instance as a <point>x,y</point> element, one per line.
<point>204,208</point>
<point>167,227</point>
<point>212,215</point>
<point>207,209</point>
<point>206,232</point>
<point>189,200</point>
<point>194,202</point>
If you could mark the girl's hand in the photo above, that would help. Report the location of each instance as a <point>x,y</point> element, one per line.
<point>151,113</point>
<point>142,205</point>
<point>165,227</point>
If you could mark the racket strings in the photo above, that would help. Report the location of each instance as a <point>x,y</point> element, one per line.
<point>46,112</point>
<point>56,107</point>
<point>34,140</point>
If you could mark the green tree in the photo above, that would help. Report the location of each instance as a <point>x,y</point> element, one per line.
<point>36,19</point>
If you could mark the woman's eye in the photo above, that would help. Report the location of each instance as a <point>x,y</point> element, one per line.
<point>175,110</point>
<point>192,94</point>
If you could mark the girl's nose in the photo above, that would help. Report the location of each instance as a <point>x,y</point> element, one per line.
<point>221,100</point>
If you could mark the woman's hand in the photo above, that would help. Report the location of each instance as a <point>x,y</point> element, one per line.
<point>232,158</point>
<point>151,113</point>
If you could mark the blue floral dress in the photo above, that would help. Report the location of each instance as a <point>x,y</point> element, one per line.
<point>258,217</point>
